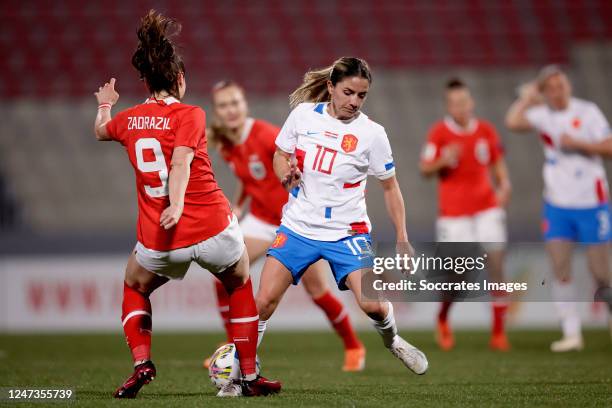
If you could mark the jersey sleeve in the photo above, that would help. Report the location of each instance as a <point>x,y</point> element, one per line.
<point>288,135</point>
<point>272,133</point>
<point>535,116</point>
<point>381,158</point>
<point>496,147</point>
<point>191,128</point>
<point>433,146</point>
<point>598,126</point>
<point>115,128</point>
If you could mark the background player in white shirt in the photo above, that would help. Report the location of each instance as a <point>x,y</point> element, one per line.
<point>576,136</point>
<point>326,149</point>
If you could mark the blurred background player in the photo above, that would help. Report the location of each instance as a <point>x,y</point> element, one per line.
<point>183,215</point>
<point>247,145</point>
<point>325,151</point>
<point>576,136</point>
<point>462,151</point>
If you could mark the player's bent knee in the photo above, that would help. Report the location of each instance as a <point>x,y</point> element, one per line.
<point>265,306</point>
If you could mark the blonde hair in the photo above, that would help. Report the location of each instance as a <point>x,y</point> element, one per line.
<point>314,85</point>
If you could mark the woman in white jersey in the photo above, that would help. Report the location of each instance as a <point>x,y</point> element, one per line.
<point>325,151</point>
<point>576,136</point>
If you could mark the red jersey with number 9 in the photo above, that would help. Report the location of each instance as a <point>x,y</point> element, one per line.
<point>150,132</point>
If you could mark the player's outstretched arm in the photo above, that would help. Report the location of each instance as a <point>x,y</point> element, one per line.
<point>516,119</point>
<point>180,169</point>
<point>397,212</point>
<point>107,97</point>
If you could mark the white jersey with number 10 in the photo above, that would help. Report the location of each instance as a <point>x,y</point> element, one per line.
<point>335,158</point>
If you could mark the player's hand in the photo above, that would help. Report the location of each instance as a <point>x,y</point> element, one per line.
<point>569,143</point>
<point>292,178</point>
<point>107,94</point>
<point>170,216</point>
<point>405,248</point>
<point>237,211</point>
<point>530,94</point>
<point>450,155</point>
<point>503,196</point>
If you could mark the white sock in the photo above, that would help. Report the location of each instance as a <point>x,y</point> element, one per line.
<point>261,329</point>
<point>566,308</point>
<point>386,327</point>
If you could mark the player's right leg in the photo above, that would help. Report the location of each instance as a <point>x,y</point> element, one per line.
<point>136,319</point>
<point>451,229</point>
<point>560,254</point>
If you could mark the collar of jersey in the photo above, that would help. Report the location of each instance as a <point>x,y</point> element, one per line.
<point>246,130</point>
<point>456,128</point>
<point>165,101</point>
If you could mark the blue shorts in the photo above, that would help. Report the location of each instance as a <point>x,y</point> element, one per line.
<point>297,253</point>
<point>584,225</point>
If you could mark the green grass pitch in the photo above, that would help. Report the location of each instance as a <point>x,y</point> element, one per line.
<point>309,363</point>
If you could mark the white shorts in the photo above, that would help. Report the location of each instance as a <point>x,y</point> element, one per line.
<point>215,254</point>
<point>253,227</point>
<point>485,226</point>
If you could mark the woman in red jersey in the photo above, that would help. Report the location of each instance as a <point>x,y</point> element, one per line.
<point>182,214</point>
<point>248,146</point>
<point>464,152</point>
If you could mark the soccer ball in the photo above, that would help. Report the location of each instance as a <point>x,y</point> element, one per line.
<point>225,366</point>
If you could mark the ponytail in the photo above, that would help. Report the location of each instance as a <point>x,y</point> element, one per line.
<point>156,58</point>
<point>314,87</point>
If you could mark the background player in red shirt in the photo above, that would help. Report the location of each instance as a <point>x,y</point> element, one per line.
<point>461,150</point>
<point>248,146</point>
<point>182,214</point>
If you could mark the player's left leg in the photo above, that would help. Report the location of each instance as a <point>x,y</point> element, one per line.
<point>383,320</point>
<point>349,258</point>
<point>595,232</point>
<point>492,234</point>
<point>255,247</point>
<point>315,283</point>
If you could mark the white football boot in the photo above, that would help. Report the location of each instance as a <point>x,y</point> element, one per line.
<point>412,357</point>
<point>573,343</point>
<point>230,389</point>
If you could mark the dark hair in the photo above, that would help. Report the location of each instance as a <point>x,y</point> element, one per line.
<point>217,133</point>
<point>314,86</point>
<point>455,83</point>
<point>156,57</point>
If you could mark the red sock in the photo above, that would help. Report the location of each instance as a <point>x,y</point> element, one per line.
<point>444,308</point>
<point>223,301</point>
<point>339,319</point>
<point>137,325</point>
<point>499,306</point>
<point>243,321</point>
